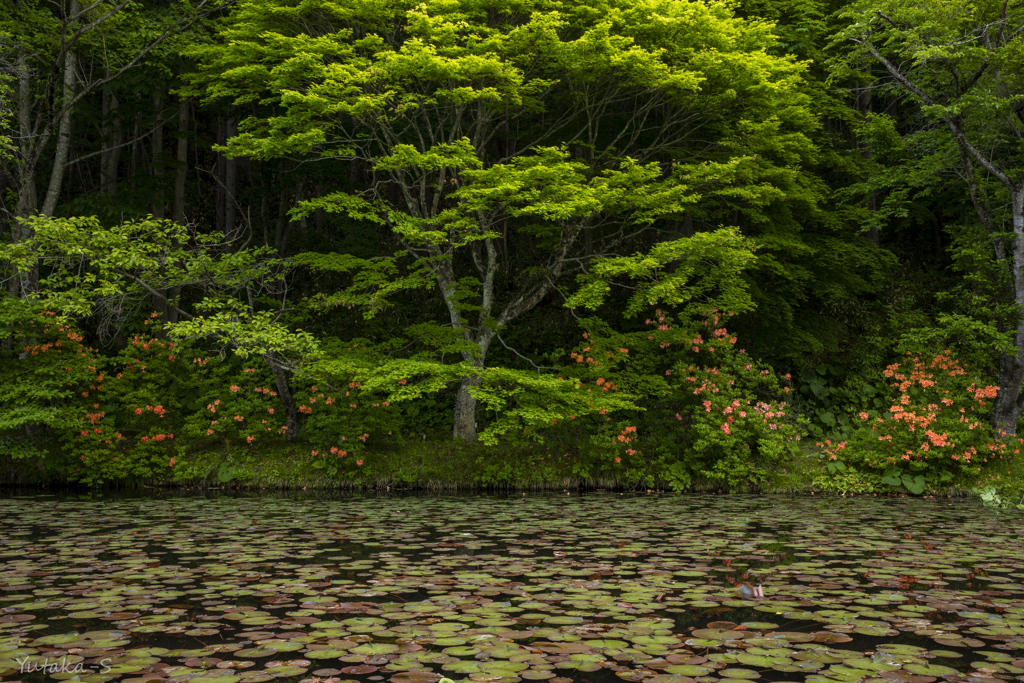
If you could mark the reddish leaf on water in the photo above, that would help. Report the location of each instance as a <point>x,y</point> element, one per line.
<point>416,677</point>
<point>235,664</point>
<point>358,670</point>
<point>202,661</point>
<point>906,677</point>
<point>561,648</point>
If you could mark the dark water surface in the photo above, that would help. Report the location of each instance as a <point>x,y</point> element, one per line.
<point>593,589</point>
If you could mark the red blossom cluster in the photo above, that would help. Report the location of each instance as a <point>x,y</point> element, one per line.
<point>588,353</point>
<point>937,417</point>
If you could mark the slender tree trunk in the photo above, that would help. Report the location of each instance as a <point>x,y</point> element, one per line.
<point>219,189</point>
<point>4,183</point>
<point>1009,403</point>
<point>25,207</point>
<point>319,212</point>
<point>865,103</point>
<point>300,195</point>
<point>284,392</point>
<point>60,157</point>
<point>181,161</point>
<point>27,198</point>
<point>30,147</point>
<point>282,225</point>
<point>133,166</point>
<point>230,184</point>
<point>161,304</point>
<point>159,199</point>
<point>178,207</point>
<point>113,136</point>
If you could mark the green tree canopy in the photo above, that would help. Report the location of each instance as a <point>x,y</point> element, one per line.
<point>531,139</point>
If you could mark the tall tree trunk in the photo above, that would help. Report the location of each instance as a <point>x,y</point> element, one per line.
<point>865,103</point>
<point>113,137</point>
<point>4,184</point>
<point>465,411</point>
<point>178,207</point>
<point>284,392</point>
<point>27,199</point>
<point>1009,403</point>
<point>159,198</point>
<point>181,162</point>
<point>218,191</point>
<point>282,225</point>
<point>230,184</point>
<point>137,150</point>
<point>60,157</point>
<point>300,195</point>
<point>30,147</point>
<point>319,212</point>
<point>161,303</point>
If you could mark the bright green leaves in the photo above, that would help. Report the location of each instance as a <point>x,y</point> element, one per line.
<point>373,280</point>
<point>86,261</point>
<point>699,271</point>
<point>456,155</point>
<point>548,186</point>
<point>526,402</point>
<point>92,268</point>
<point>249,333</point>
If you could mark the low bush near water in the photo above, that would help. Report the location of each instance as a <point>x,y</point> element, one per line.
<point>709,412</point>
<point>935,432</point>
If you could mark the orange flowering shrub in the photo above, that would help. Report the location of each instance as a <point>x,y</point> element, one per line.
<point>707,411</point>
<point>341,416</point>
<point>936,427</point>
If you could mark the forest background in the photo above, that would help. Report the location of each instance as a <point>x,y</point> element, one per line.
<point>763,244</point>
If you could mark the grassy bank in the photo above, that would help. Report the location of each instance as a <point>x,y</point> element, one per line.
<point>440,466</point>
<point>431,466</point>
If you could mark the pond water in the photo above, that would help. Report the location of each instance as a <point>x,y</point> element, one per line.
<point>566,589</point>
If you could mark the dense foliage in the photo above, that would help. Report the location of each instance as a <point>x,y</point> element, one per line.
<point>342,229</point>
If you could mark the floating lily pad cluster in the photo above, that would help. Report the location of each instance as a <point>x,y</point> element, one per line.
<point>496,590</point>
